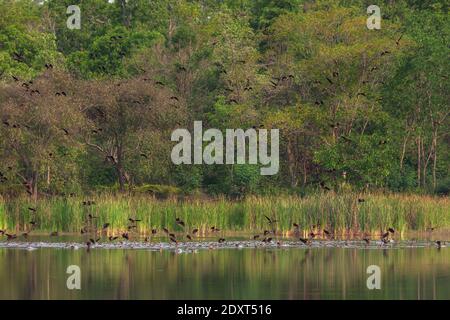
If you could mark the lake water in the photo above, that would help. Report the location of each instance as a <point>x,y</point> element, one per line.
<point>250,273</point>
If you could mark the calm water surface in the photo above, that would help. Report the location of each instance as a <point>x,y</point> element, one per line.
<point>294,273</point>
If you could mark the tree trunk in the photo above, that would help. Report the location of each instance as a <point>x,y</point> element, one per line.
<point>418,162</point>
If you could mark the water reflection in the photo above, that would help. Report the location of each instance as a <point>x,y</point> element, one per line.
<point>317,273</point>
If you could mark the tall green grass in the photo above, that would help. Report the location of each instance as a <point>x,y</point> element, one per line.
<point>340,213</point>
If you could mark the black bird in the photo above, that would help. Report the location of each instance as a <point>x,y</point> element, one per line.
<point>10,236</point>
<point>172,235</point>
<point>194,231</point>
<point>179,222</point>
<point>256,236</point>
<point>173,240</point>
<point>305,241</point>
<point>32,209</point>
<point>221,240</point>
<point>326,232</point>
<point>322,184</point>
<point>361,200</point>
<point>125,235</point>
<point>166,230</point>
<point>391,230</point>
<point>66,132</point>
<point>296,225</point>
<point>111,238</point>
<point>48,66</point>
<point>189,237</point>
<point>133,220</point>
<point>271,221</point>
<point>214,229</point>
<point>439,244</point>
<point>154,231</point>
<point>94,241</point>
<point>385,235</point>
<point>312,235</point>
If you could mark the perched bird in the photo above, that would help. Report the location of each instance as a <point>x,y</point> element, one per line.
<point>125,235</point>
<point>154,231</point>
<point>439,244</point>
<point>391,230</point>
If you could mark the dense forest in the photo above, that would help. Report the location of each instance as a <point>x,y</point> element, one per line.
<point>92,109</point>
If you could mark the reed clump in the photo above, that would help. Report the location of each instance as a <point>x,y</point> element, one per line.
<point>339,213</point>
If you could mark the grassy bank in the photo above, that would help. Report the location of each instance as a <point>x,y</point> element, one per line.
<point>338,213</point>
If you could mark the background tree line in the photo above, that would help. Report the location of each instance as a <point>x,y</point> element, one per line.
<point>93,109</point>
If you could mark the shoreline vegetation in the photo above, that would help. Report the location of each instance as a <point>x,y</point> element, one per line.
<point>348,214</point>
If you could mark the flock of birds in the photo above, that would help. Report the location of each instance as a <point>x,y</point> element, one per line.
<point>96,234</point>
